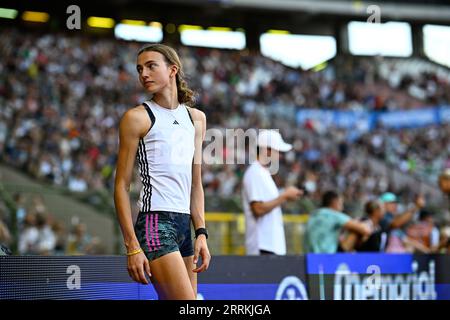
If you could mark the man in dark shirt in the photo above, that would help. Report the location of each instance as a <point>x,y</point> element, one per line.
<point>386,226</point>
<point>376,241</point>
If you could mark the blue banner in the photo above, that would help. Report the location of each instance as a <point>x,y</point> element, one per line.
<point>444,114</point>
<point>367,120</point>
<point>377,277</point>
<point>360,263</point>
<point>408,118</point>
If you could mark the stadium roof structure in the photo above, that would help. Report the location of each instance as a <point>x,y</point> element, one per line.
<point>329,18</point>
<point>236,12</point>
<point>434,10</point>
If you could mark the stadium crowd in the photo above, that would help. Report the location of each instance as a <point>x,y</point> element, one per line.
<point>424,152</point>
<point>40,233</point>
<point>61,99</point>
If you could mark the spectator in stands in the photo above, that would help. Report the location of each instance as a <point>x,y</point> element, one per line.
<point>325,224</point>
<point>77,183</point>
<point>394,222</point>
<point>425,231</point>
<point>37,205</point>
<point>376,241</point>
<point>46,238</point>
<point>59,231</point>
<point>79,242</point>
<point>29,238</point>
<point>21,211</point>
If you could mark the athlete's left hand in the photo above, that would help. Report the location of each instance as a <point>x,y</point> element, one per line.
<point>201,249</point>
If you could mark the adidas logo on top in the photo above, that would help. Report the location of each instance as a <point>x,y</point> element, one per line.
<point>175,122</point>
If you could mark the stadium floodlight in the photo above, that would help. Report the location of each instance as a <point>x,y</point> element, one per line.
<point>8,13</point>
<point>35,16</point>
<point>275,31</point>
<point>184,27</point>
<point>213,37</point>
<point>138,33</point>
<point>100,22</point>
<point>436,43</point>
<point>220,29</point>
<point>155,24</point>
<point>133,22</point>
<point>386,39</point>
<point>295,50</point>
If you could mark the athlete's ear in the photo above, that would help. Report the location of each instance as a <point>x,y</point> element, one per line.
<point>173,70</point>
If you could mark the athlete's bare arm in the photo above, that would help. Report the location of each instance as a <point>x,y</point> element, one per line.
<point>133,125</point>
<point>197,194</point>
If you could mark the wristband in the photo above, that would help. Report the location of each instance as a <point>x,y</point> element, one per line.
<point>200,231</point>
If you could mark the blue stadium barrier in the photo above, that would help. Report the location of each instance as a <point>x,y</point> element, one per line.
<point>314,276</point>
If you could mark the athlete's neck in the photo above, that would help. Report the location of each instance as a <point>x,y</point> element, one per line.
<point>167,100</point>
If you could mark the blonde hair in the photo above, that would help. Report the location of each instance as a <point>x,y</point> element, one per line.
<point>185,94</point>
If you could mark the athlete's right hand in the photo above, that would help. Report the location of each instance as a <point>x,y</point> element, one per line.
<point>138,266</point>
<point>292,193</point>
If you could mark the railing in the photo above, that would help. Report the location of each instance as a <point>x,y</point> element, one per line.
<point>227,232</point>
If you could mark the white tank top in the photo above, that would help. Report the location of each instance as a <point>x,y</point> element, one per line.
<point>165,156</point>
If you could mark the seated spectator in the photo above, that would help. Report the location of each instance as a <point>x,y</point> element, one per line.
<point>29,238</point>
<point>325,224</point>
<point>21,212</point>
<point>79,242</point>
<point>60,234</point>
<point>46,237</point>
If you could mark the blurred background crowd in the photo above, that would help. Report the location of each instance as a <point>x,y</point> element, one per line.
<point>62,96</point>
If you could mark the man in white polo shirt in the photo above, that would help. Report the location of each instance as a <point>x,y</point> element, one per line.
<point>262,200</point>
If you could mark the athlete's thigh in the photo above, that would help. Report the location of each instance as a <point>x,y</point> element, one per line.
<point>170,277</point>
<point>189,263</point>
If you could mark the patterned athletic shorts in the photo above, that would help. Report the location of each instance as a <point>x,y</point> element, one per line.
<point>162,232</point>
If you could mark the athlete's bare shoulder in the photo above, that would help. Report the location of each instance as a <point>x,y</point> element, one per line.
<point>197,115</point>
<point>136,120</point>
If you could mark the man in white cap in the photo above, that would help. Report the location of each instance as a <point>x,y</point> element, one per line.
<point>262,200</point>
